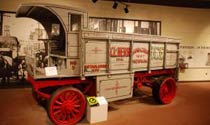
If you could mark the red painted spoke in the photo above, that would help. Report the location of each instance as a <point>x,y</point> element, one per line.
<point>58,116</point>
<point>62,98</point>
<point>56,107</point>
<point>67,95</point>
<point>63,117</point>
<point>76,110</point>
<point>71,96</point>
<point>77,101</point>
<point>73,115</point>
<point>75,97</point>
<point>57,112</point>
<point>76,106</point>
<point>58,102</point>
<point>68,117</point>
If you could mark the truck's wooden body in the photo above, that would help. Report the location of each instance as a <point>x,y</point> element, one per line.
<point>97,63</point>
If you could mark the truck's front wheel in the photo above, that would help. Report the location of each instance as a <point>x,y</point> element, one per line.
<point>164,90</point>
<point>66,106</point>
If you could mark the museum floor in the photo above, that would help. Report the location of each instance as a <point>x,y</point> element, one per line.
<point>191,107</point>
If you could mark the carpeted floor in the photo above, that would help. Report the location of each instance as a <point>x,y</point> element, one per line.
<point>191,107</point>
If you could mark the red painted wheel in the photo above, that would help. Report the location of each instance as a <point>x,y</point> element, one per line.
<point>164,90</point>
<point>66,106</point>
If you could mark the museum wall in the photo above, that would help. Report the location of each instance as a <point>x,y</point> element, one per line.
<point>191,25</point>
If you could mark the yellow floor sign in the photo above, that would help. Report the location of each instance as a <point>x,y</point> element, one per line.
<point>92,100</point>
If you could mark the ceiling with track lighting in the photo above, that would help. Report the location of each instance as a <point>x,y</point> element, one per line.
<point>177,3</point>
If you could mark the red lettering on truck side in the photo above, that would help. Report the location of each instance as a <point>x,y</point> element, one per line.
<point>95,67</point>
<point>119,51</point>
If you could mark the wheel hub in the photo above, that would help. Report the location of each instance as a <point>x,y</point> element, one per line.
<point>165,90</point>
<point>68,106</point>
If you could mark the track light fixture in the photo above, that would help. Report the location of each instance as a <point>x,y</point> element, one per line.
<point>115,5</point>
<point>94,1</point>
<point>126,9</point>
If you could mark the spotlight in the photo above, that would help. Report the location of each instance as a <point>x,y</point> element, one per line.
<point>126,9</point>
<point>115,5</point>
<point>94,1</point>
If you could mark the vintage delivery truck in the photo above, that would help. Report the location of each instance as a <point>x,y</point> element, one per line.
<point>78,62</point>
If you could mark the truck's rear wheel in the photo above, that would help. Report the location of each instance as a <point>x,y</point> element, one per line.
<point>164,90</point>
<point>66,106</point>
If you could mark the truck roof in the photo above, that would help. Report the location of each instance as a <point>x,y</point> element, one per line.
<point>47,13</point>
<point>25,8</point>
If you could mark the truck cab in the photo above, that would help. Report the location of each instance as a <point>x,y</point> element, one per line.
<point>63,26</point>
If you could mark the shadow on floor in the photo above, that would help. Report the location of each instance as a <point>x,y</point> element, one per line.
<point>139,96</point>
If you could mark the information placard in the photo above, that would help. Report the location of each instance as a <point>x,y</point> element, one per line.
<point>51,71</point>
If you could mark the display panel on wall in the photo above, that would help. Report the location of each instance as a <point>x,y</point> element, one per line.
<point>16,36</point>
<point>1,23</point>
<point>25,29</point>
<point>125,25</point>
<point>195,56</point>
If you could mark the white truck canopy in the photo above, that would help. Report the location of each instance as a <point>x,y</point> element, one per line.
<point>47,14</point>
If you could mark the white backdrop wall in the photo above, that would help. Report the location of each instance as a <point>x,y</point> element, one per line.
<point>189,24</point>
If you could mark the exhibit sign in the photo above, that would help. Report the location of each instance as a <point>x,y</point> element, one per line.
<point>195,56</point>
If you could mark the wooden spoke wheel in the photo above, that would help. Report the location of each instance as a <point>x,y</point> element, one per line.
<point>66,106</point>
<point>164,90</point>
